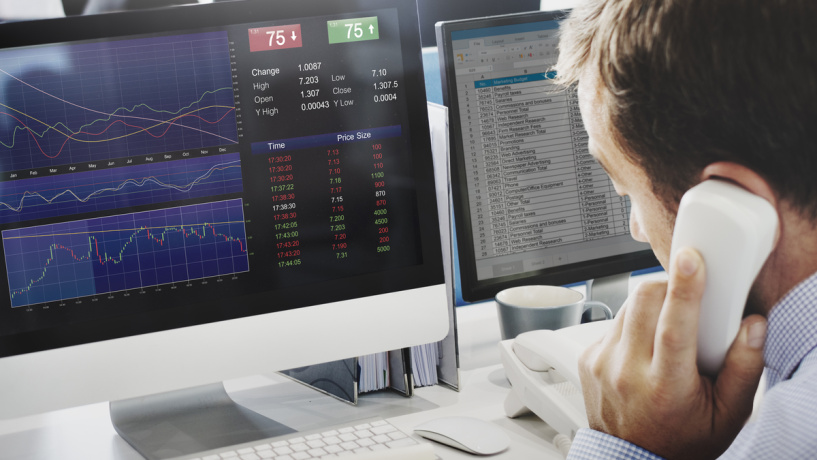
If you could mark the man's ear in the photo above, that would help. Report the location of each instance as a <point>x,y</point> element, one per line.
<point>748,179</point>
<point>742,176</point>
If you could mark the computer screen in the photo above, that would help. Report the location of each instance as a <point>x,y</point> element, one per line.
<point>531,205</point>
<point>237,187</point>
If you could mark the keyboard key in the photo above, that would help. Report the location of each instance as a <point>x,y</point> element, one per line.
<point>351,445</point>
<point>381,439</point>
<point>317,452</point>
<point>364,434</point>
<point>366,442</point>
<point>285,450</point>
<point>332,440</point>
<point>315,443</point>
<point>406,441</point>
<point>383,429</point>
<point>300,447</point>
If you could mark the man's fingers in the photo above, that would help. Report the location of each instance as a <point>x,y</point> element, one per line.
<point>644,308</point>
<point>676,338</point>
<point>737,382</point>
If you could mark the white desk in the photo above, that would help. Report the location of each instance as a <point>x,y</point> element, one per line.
<point>84,433</point>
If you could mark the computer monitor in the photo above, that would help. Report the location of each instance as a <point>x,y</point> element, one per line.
<point>206,192</point>
<point>531,205</point>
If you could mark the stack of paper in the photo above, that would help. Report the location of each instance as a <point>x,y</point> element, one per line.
<point>374,372</point>
<point>424,362</point>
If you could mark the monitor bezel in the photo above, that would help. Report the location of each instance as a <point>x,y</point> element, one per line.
<point>473,289</point>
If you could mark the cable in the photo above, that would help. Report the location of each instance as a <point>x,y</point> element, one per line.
<point>562,443</point>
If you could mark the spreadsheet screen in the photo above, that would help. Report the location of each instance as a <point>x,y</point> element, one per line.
<point>537,198</point>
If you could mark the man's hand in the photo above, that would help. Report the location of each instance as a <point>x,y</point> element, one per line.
<point>641,381</point>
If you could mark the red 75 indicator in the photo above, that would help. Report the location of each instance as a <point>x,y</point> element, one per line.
<point>275,38</point>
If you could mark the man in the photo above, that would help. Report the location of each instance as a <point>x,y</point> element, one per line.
<point>675,92</point>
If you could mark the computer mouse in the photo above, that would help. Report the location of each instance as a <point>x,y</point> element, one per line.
<point>468,434</point>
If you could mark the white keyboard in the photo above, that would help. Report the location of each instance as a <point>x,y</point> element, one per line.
<point>365,438</point>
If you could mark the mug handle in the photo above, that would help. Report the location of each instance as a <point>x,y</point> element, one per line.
<point>589,304</point>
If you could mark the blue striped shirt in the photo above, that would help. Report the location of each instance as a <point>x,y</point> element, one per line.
<point>783,427</point>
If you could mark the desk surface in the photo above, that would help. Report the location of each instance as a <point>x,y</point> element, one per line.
<point>86,432</point>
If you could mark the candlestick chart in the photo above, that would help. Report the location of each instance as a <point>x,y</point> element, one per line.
<point>56,262</point>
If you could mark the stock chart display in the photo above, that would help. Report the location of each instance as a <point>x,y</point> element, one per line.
<point>137,169</point>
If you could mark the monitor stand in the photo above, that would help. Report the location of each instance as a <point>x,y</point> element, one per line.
<point>609,290</point>
<point>187,421</point>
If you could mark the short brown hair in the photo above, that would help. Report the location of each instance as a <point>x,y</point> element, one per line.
<point>690,82</point>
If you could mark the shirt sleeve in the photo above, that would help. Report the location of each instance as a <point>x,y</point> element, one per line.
<point>593,445</point>
<point>784,427</point>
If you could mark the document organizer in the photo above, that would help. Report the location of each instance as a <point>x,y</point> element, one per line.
<point>341,379</point>
<point>406,367</point>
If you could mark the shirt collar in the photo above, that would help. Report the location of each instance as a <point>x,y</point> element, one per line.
<point>792,330</point>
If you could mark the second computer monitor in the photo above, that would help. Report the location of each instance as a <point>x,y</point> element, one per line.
<point>531,205</point>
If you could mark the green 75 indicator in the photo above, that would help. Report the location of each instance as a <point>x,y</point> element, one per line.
<point>353,30</point>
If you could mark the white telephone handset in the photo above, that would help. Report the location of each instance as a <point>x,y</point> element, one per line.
<point>734,232</point>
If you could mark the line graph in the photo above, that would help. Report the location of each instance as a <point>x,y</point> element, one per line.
<point>64,104</point>
<point>98,190</point>
<point>51,263</point>
<point>93,137</point>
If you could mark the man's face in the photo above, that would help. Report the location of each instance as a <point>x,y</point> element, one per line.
<point>650,221</point>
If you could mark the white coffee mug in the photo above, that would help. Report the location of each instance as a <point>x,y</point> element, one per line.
<point>528,308</point>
